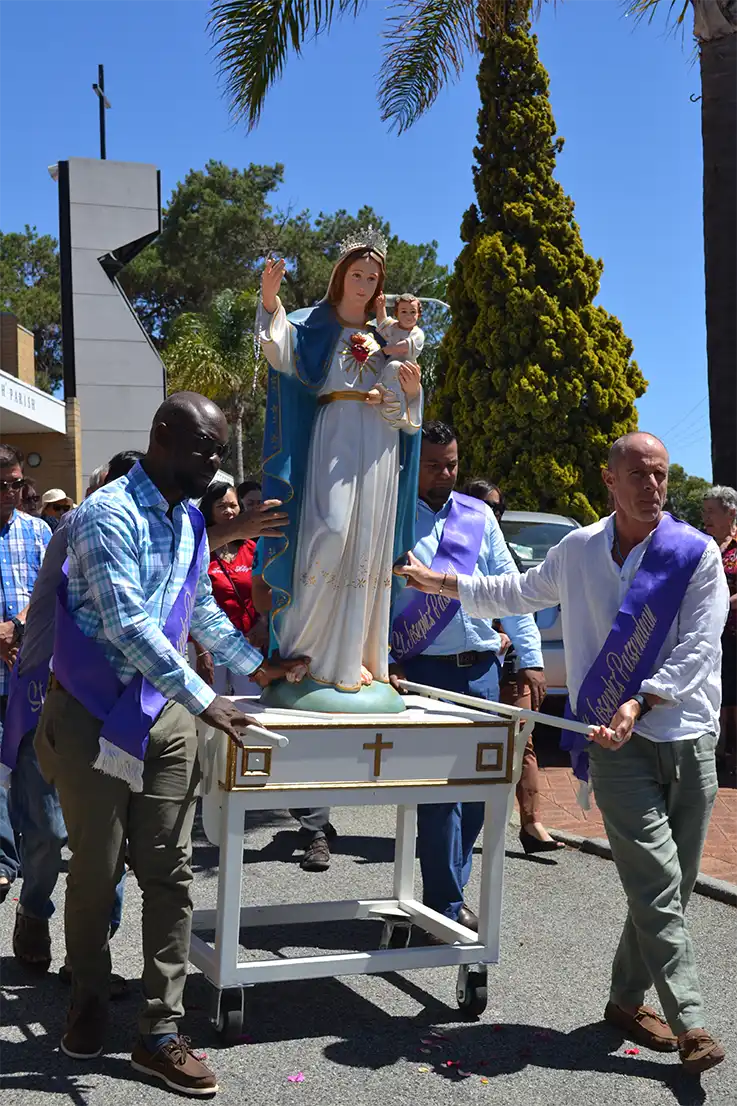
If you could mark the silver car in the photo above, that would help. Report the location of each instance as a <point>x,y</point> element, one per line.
<point>530,534</point>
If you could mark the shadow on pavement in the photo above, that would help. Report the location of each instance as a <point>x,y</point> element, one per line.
<point>490,1051</point>
<point>368,1037</point>
<point>372,1039</point>
<point>287,846</point>
<point>37,1064</point>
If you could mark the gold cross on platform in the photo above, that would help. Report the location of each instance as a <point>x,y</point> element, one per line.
<point>378,745</point>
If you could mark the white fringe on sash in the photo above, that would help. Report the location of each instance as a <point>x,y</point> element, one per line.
<point>583,798</point>
<point>115,762</point>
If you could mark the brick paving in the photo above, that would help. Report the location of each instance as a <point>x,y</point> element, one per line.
<point>560,811</point>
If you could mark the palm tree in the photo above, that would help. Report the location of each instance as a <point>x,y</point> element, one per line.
<point>427,43</point>
<point>213,353</point>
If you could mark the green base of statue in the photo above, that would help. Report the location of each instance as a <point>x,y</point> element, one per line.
<point>374,698</point>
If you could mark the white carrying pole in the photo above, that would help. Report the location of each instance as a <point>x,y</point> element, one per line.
<point>496,708</point>
<point>261,732</point>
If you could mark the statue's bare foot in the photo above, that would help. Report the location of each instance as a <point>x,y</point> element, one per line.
<point>366,676</point>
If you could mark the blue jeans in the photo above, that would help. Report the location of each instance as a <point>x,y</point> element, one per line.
<point>447,832</point>
<point>36,814</point>
<point>9,861</point>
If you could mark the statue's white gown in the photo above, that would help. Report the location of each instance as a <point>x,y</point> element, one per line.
<point>339,614</point>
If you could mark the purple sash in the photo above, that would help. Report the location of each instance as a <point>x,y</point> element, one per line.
<point>426,616</point>
<point>126,711</point>
<point>25,698</point>
<point>630,652</point>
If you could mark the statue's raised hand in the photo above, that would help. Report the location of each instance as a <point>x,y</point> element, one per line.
<point>271,279</point>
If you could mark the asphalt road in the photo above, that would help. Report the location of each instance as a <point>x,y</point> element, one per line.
<point>358,1040</point>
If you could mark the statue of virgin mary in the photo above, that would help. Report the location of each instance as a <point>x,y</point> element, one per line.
<point>341,451</point>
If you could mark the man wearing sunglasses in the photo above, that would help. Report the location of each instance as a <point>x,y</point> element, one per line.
<point>117,733</point>
<point>23,542</point>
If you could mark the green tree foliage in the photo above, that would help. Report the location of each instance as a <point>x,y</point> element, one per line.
<point>215,231</point>
<point>213,353</point>
<point>536,378</point>
<point>685,495</point>
<point>219,227</point>
<point>426,46</point>
<point>29,287</point>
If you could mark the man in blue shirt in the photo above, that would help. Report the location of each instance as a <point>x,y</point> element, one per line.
<point>23,541</point>
<point>136,582</point>
<point>461,657</point>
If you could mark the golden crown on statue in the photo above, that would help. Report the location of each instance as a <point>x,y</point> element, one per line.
<point>369,238</point>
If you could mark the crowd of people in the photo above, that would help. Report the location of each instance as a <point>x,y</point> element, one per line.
<point>102,604</point>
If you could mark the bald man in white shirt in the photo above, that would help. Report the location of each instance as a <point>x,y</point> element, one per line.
<point>643,605</point>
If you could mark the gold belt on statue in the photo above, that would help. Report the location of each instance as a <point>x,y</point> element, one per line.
<point>333,397</point>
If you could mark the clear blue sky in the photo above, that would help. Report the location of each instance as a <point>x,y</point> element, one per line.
<point>620,94</point>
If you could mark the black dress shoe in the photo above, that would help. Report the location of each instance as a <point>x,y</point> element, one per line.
<point>467,918</point>
<point>533,844</point>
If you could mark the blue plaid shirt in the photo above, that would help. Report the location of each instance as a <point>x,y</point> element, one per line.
<point>23,541</point>
<point>129,557</point>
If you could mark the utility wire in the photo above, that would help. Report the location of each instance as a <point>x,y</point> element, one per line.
<point>695,406</point>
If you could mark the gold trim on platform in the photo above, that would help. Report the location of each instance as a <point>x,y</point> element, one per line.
<point>246,753</point>
<point>231,772</point>
<point>485,747</point>
<point>352,785</point>
<point>333,397</point>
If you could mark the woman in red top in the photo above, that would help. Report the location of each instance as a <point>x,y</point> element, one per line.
<point>720,520</point>
<point>230,565</point>
<point>230,575</point>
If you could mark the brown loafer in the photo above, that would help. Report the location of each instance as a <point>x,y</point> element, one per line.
<point>646,1027</point>
<point>699,1051</point>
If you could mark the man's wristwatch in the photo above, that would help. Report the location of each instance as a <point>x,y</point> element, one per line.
<point>19,630</point>
<point>642,703</point>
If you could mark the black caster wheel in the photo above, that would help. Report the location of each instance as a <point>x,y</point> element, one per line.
<point>230,1017</point>
<point>471,990</point>
<point>396,935</point>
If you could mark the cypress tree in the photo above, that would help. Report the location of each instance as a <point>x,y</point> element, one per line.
<point>537,380</point>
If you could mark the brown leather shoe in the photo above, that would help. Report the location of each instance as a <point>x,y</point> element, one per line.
<point>85,1033</point>
<point>176,1065</point>
<point>699,1051</point>
<point>467,918</point>
<point>646,1027</point>
<point>316,856</point>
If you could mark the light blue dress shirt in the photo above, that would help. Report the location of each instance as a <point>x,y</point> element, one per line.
<point>464,633</point>
<point>129,556</point>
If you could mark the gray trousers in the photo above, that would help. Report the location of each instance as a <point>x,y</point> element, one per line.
<point>312,819</point>
<point>656,800</point>
<point>101,814</point>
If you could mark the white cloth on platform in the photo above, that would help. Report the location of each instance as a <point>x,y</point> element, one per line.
<point>339,614</point>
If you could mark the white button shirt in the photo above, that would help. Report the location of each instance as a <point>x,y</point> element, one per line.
<point>580,574</point>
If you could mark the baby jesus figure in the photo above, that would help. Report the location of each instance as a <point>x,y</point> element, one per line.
<point>402,334</point>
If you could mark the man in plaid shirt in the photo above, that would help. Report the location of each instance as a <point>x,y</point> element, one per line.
<point>130,552</point>
<point>23,541</point>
